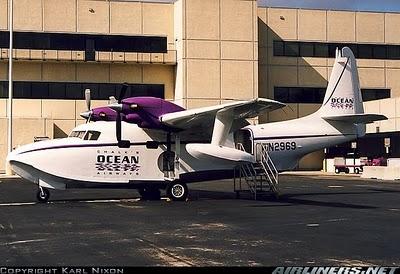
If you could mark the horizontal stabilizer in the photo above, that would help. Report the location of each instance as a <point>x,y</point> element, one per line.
<point>362,118</point>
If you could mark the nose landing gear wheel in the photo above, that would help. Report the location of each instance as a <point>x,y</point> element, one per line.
<point>43,195</point>
<point>177,191</point>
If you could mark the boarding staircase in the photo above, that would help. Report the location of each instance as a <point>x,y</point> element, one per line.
<point>259,177</point>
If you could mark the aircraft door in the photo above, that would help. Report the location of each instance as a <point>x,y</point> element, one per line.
<point>244,137</point>
<point>166,160</point>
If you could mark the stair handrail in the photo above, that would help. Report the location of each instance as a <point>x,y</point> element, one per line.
<point>267,162</point>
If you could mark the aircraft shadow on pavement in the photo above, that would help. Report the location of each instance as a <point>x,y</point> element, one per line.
<point>284,199</point>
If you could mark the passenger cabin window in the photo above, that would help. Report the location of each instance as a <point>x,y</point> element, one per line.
<point>79,134</point>
<point>92,135</point>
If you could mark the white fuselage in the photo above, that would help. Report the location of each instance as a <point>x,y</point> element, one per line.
<point>62,163</point>
<point>71,161</point>
<point>288,141</point>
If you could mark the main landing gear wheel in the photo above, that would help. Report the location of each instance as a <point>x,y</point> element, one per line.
<point>177,191</point>
<point>43,195</point>
<point>150,193</point>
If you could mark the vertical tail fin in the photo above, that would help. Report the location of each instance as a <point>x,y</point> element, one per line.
<point>343,102</point>
<point>343,95</point>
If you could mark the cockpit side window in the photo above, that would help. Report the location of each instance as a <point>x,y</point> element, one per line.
<point>92,135</point>
<point>78,134</point>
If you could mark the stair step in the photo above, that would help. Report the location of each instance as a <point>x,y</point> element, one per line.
<point>259,177</point>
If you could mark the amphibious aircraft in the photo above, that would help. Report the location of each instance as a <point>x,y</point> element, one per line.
<point>151,144</point>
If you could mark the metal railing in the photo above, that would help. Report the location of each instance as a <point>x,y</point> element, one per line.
<point>255,174</point>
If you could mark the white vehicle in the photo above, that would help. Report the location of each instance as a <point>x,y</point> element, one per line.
<point>151,144</point>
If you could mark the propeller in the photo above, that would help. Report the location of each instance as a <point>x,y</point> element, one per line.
<point>87,98</point>
<point>88,113</point>
<point>118,108</point>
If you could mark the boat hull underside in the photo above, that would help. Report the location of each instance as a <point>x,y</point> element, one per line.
<point>37,176</point>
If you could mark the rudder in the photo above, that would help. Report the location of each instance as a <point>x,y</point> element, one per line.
<point>343,94</point>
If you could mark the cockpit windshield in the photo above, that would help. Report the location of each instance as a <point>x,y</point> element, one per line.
<point>86,135</point>
<point>92,135</point>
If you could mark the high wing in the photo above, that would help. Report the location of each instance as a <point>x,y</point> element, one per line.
<point>238,110</point>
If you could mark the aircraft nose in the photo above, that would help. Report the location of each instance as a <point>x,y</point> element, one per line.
<point>11,156</point>
<point>12,159</point>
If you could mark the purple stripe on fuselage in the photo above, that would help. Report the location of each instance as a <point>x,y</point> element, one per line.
<point>78,146</point>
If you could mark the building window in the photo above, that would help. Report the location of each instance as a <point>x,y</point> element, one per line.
<point>393,52</point>
<point>320,50</point>
<point>374,94</point>
<point>278,48</point>
<point>365,52</point>
<point>317,49</point>
<point>313,95</point>
<point>306,50</point>
<point>75,91</point>
<point>302,95</point>
<point>85,42</point>
<point>291,49</point>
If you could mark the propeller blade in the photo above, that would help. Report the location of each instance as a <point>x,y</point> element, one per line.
<point>118,126</point>
<point>122,92</point>
<point>87,98</point>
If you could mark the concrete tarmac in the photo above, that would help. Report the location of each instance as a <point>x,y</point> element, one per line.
<point>319,220</point>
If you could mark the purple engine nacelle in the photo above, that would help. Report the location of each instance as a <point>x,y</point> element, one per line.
<point>143,111</point>
<point>146,111</point>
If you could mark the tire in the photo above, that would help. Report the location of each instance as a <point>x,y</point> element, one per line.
<point>44,196</point>
<point>177,191</point>
<point>337,170</point>
<point>347,170</point>
<point>357,171</point>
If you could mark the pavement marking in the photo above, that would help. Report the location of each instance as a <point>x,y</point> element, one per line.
<point>394,209</point>
<point>24,242</point>
<point>18,204</point>
<point>335,186</point>
<point>108,201</point>
<point>130,206</point>
<point>337,220</point>
<point>64,202</point>
<point>312,225</point>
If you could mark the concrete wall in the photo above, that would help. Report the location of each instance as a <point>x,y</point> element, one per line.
<point>323,26</point>
<point>327,26</point>
<point>217,46</point>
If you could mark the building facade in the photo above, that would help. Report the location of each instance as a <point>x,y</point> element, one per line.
<point>296,54</point>
<point>195,52</point>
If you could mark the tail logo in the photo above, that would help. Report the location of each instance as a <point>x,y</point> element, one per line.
<point>342,103</point>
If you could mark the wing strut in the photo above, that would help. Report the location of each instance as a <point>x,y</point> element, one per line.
<point>222,126</point>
